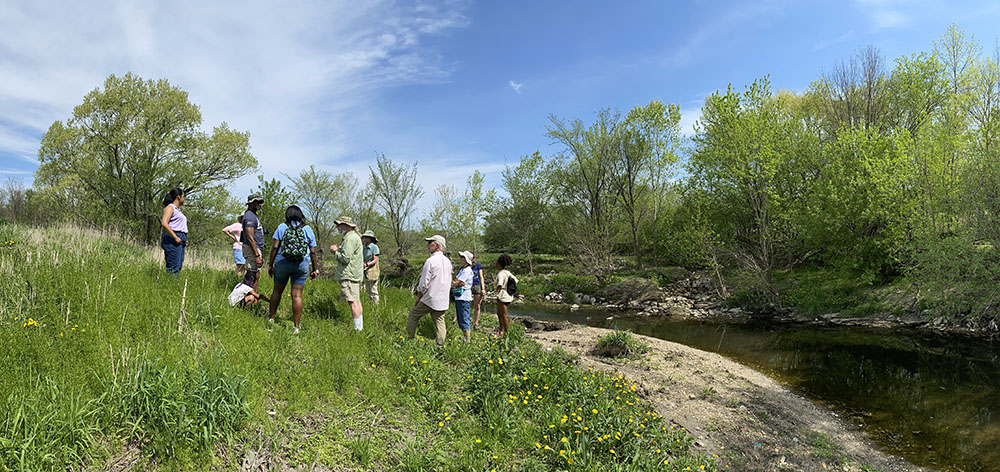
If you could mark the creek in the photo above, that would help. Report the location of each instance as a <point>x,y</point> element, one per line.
<point>932,399</point>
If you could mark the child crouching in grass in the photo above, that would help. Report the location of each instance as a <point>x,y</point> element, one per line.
<point>243,293</point>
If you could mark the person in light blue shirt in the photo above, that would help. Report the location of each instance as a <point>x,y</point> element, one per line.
<point>462,290</point>
<point>371,253</point>
<point>287,262</point>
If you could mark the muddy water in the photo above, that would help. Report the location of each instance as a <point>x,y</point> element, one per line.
<point>931,399</point>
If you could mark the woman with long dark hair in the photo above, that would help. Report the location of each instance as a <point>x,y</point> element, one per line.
<point>175,230</point>
<point>504,298</point>
<point>293,250</point>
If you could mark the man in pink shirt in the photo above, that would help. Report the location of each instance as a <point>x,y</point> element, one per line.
<point>432,290</point>
<point>234,231</point>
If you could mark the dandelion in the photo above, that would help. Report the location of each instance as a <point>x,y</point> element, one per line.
<point>440,423</point>
<point>479,441</point>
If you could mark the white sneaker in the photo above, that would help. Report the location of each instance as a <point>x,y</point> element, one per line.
<point>295,330</point>
<point>270,320</point>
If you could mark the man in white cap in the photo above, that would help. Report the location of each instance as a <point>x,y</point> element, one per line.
<point>432,290</point>
<point>349,267</point>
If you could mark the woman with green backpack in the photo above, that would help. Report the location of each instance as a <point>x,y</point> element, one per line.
<point>293,242</point>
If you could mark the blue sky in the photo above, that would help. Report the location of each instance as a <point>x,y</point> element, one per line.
<point>454,85</point>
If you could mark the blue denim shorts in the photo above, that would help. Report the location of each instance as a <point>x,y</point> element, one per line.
<point>285,269</point>
<point>462,310</point>
<point>238,257</point>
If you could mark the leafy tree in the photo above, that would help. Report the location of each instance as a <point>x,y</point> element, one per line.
<point>648,136</point>
<point>276,200</point>
<point>363,207</point>
<point>396,192</point>
<point>519,221</point>
<point>324,196</point>
<point>583,179</point>
<point>129,143</point>
<point>740,143</point>
<point>444,215</point>
<point>474,209</point>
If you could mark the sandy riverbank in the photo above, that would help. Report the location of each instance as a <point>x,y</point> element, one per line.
<point>745,417</point>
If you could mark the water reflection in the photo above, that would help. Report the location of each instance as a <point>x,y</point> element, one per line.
<point>934,400</point>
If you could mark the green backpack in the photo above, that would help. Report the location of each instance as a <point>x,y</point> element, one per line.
<point>294,245</point>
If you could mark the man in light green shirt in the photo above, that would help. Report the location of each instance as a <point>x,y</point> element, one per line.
<point>350,259</point>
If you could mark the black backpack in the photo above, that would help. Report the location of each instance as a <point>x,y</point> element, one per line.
<point>294,245</point>
<point>511,287</point>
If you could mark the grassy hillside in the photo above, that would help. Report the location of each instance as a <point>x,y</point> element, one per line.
<point>95,373</point>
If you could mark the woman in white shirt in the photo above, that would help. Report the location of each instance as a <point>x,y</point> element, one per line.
<point>461,287</point>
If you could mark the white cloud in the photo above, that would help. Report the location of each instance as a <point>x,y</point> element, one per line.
<point>689,116</point>
<point>296,76</point>
<point>18,144</point>
<point>886,13</point>
<point>830,42</point>
<point>707,35</point>
<point>516,86</point>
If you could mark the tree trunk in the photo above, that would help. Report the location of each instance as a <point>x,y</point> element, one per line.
<point>635,245</point>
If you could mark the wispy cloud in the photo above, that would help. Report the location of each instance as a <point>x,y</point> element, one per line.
<point>707,35</point>
<point>516,86</point>
<point>294,76</point>
<point>886,13</point>
<point>830,42</point>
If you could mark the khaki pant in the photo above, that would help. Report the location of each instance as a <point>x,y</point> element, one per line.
<point>417,312</point>
<point>350,291</point>
<point>371,286</point>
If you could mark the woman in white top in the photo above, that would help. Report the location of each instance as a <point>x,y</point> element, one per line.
<point>503,298</point>
<point>461,288</point>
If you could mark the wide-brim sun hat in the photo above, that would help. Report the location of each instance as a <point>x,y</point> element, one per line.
<point>370,234</point>
<point>255,197</point>
<point>437,238</point>
<point>467,255</point>
<point>345,220</point>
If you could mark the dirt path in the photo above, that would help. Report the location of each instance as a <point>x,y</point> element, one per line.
<point>748,419</point>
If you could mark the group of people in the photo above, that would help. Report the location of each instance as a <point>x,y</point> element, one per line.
<point>437,285</point>
<point>293,259</point>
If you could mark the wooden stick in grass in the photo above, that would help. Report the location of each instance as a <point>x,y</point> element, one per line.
<point>180,320</point>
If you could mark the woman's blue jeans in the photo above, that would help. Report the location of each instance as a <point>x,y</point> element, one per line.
<point>173,253</point>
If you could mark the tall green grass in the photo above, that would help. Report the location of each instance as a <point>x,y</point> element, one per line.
<point>93,368</point>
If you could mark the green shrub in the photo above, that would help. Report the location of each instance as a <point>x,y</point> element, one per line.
<point>564,283</point>
<point>620,343</point>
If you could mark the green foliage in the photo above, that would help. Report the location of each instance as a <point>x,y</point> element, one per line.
<point>324,197</point>
<point>740,161</point>
<point>173,409</point>
<point>562,282</point>
<point>127,145</point>
<point>521,221</point>
<point>620,343</point>
<point>859,210</point>
<point>396,192</point>
<point>277,199</point>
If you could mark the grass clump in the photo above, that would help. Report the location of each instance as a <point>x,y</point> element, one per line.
<point>620,343</point>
